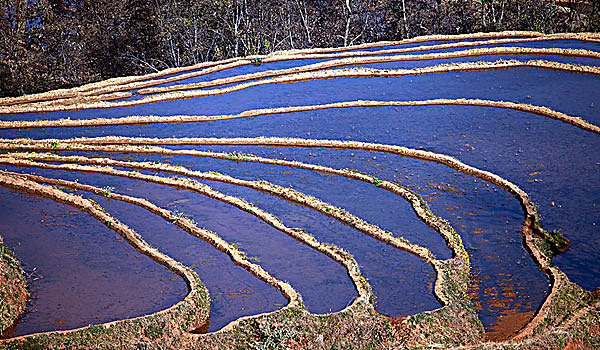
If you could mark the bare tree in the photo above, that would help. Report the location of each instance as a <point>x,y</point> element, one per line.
<point>301,6</point>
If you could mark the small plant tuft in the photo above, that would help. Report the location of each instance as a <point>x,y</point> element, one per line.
<point>376,181</point>
<point>256,61</point>
<point>556,241</point>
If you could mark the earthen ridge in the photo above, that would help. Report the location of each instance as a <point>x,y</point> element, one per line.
<point>93,87</point>
<point>300,77</point>
<point>451,162</point>
<point>133,120</point>
<point>379,57</point>
<point>421,208</point>
<point>90,97</point>
<point>110,90</point>
<point>126,83</point>
<point>193,308</point>
<point>186,225</point>
<point>333,252</point>
<point>421,155</point>
<point>295,144</point>
<point>439,288</point>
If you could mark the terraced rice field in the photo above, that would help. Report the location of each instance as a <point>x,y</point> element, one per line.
<point>421,180</point>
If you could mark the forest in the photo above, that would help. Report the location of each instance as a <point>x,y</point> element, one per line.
<point>49,44</point>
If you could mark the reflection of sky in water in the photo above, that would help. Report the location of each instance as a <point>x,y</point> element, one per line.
<point>578,95</point>
<point>528,150</point>
<point>565,44</point>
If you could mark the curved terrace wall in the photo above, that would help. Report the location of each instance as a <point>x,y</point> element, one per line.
<point>567,309</point>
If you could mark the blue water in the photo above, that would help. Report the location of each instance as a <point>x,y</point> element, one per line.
<point>557,164</point>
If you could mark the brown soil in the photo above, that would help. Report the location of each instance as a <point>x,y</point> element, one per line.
<point>508,324</point>
<point>13,289</point>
